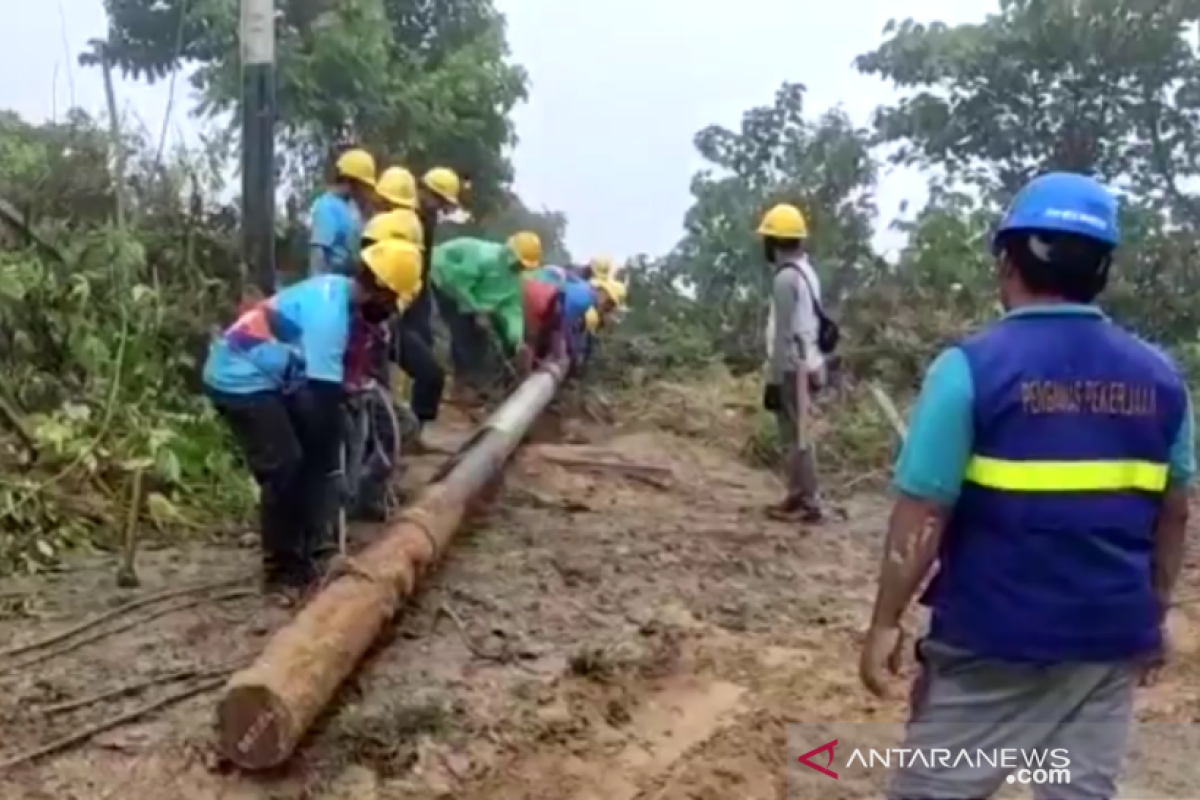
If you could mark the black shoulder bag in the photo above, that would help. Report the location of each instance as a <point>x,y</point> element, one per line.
<point>828,332</point>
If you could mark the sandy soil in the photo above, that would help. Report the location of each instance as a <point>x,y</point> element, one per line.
<point>596,636</point>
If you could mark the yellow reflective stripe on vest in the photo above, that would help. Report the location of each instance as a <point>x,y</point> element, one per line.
<point>1066,476</point>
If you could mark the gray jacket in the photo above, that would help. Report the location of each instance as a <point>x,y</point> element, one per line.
<point>792,324</point>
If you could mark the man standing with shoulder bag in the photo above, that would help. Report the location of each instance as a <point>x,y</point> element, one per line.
<point>799,337</point>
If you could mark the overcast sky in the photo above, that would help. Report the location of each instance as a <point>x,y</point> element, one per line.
<point>619,89</point>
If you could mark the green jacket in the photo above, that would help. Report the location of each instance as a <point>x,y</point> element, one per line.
<point>479,275</point>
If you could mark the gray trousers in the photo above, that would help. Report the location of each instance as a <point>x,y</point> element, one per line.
<point>793,421</point>
<point>962,702</point>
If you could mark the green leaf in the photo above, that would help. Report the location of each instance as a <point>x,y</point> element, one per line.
<point>166,465</point>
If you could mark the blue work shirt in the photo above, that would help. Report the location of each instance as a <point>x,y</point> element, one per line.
<point>301,332</point>
<point>578,298</point>
<point>336,226</point>
<point>933,462</point>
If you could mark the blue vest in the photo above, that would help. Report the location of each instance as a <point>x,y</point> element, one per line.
<point>1047,555</point>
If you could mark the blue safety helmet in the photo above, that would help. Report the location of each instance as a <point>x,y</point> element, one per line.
<point>1063,202</point>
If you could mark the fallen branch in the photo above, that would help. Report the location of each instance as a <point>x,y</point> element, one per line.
<point>132,688</point>
<point>16,220</point>
<point>15,422</point>
<point>121,610</point>
<point>888,407</point>
<point>624,467</point>
<point>654,476</point>
<point>527,497</point>
<point>463,634</point>
<point>503,656</point>
<point>133,623</point>
<point>91,731</point>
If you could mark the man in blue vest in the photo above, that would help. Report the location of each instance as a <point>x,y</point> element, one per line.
<point>1046,471</point>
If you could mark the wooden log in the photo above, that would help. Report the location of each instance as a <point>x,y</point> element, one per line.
<point>266,708</point>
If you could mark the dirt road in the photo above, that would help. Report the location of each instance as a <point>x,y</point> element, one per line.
<point>597,636</point>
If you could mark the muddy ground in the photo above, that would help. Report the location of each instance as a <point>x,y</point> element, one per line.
<point>597,635</point>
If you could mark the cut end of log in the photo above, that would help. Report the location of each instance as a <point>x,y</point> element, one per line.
<point>254,727</point>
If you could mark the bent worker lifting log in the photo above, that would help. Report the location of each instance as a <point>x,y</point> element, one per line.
<point>267,708</point>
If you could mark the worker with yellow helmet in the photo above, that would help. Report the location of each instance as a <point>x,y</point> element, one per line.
<point>598,268</point>
<point>337,216</point>
<point>400,224</point>
<point>439,191</point>
<point>611,295</point>
<point>397,188</point>
<point>400,345</point>
<point>575,306</point>
<point>370,338</point>
<point>277,376</point>
<point>794,358</point>
<point>408,350</point>
<point>546,324</point>
<point>478,288</point>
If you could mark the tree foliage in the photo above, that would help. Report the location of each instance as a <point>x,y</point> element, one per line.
<point>776,154</point>
<point>419,82</point>
<point>1104,87</point>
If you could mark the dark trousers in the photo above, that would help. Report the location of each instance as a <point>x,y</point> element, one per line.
<point>414,355</point>
<point>549,340</point>
<point>416,339</point>
<point>468,344</point>
<point>293,468</point>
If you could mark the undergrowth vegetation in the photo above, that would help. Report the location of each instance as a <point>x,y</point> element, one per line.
<point>102,329</point>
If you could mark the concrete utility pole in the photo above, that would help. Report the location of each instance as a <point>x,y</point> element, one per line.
<point>258,140</point>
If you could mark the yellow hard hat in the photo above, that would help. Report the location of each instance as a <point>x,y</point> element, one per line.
<point>400,223</point>
<point>616,291</point>
<point>382,227</point>
<point>444,183</point>
<point>602,266</point>
<point>784,221</point>
<point>396,265</point>
<point>397,186</point>
<point>591,320</point>
<point>527,247</point>
<point>358,165</point>
<point>411,229</point>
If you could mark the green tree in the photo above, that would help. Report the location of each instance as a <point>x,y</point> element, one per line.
<point>1104,87</point>
<point>777,154</point>
<point>1107,87</point>
<point>420,82</point>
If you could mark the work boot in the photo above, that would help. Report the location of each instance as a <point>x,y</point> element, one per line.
<point>797,509</point>
<point>285,583</point>
<point>371,505</point>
